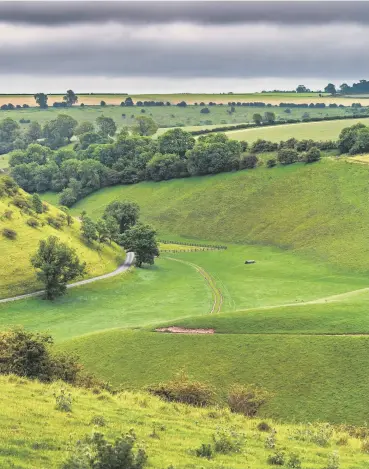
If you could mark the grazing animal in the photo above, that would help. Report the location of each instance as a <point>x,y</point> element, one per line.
<point>250,262</point>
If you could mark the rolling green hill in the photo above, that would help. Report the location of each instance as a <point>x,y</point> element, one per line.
<point>299,208</point>
<point>16,273</point>
<point>36,434</point>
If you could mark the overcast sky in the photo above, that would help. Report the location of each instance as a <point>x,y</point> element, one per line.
<point>181,46</point>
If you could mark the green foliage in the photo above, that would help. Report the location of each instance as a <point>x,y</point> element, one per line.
<point>70,98</point>
<point>41,100</point>
<point>125,213</point>
<point>89,229</point>
<point>204,451</point>
<point>33,222</point>
<point>145,126</point>
<point>106,126</point>
<point>271,162</point>
<point>182,389</point>
<point>312,155</point>
<point>56,265</point>
<point>348,136</point>
<point>228,441</point>
<point>176,141</point>
<point>37,203</point>
<point>287,156</point>
<point>263,427</point>
<point>84,127</point>
<point>28,354</point>
<point>277,458</point>
<point>294,462</point>
<point>63,401</point>
<point>247,400</point>
<point>96,452</point>
<point>9,233</point>
<point>163,167</point>
<point>333,461</point>
<point>141,239</point>
<point>248,162</point>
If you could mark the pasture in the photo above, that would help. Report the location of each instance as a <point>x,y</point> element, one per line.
<point>327,130</point>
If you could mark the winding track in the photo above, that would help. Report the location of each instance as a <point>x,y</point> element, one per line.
<point>122,268</point>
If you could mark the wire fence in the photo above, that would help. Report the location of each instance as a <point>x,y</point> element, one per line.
<point>198,247</point>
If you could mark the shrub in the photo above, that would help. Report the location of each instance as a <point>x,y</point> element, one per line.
<point>63,401</point>
<point>228,441</point>
<point>20,202</point>
<point>54,222</point>
<point>342,441</point>
<point>271,163</point>
<point>264,427</point>
<point>96,452</point>
<point>261,146</point>
<point>98,420</point>
<point>312,155</point>
<point>205,451</point>
<point>182,389</point>
<point>8,214</point>
<point>247,400</point>
<point>9,233</point>
<point>8,186</point>
<point>270,440</point>
<point>276,459</point>
<point>32,222</point>
<point>287,156</point>
<point>333,461</point>
<point>294,461</point>
<point>320,434</point>
<point>248,162</point>
<point>365,446</point>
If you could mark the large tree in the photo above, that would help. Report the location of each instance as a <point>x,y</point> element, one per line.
<point>176,141</point>
<point>56,264</point>
<point>331,89</point>
<point>125,213</point>
<point>70,98</point>
<point>106,126</point>
<point>141,240</point>
<point>145,126</point>
<point>41,99</point>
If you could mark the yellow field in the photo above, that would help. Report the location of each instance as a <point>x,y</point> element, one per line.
<point>273,98</point>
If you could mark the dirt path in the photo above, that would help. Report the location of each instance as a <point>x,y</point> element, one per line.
<point>127,264</point>
<point>217,294</point>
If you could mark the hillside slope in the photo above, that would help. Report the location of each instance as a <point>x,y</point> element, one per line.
<point>299,207</point>
<point>16,273</point>
<point>36,434</point>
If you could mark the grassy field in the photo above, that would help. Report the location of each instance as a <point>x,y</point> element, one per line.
<point>327,130</point>
<point>297,208</point>
<point>35,434</point>
<point>313,377</point>
<point>141,297</point>
<point>170,116</point>
<point>16,273</point>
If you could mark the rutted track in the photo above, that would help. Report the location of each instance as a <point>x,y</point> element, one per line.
<point>217,294</point>
<point>125,266</point>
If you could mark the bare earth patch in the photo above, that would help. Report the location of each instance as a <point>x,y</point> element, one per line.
<point>183,330</point>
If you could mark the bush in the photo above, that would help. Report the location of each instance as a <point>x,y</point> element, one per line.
<point>247,400</point>
<point>54,222</point>
<point>365,446</point>
<point>96,452</point>
<point>20,202</point>
<point>28,354</point>
<point>264,427</point>
<point>263,146</point>
<point>63,401</point>
<point>8,214</point>
<point>8,186</point>
<point>248,162</point>
<point>181,389</point>
<point>205,110</point>
<point>228,441</point>
<point>333,461</point>
<point>33,223</point>
<point>287,156</point>
<point>312,155</point>
<point>276,459</point>
<point>294,461</point>
<point>98,420</point>
<point>9,233</point>
<point>205,451</point>
<point>271,163</point>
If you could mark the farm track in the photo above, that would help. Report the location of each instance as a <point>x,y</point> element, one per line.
<point>125,266</point>
<point>217,294</point>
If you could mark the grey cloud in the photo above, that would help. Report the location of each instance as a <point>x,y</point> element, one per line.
<point>200,12</point>
<point>146,59</point>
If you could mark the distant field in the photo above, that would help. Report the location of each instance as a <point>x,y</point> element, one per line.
<point>274,98</point>
<point>326,130</point>
<point>169,116</point>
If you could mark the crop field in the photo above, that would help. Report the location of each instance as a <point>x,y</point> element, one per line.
<point>116,99</point>
<point>327,130</point>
